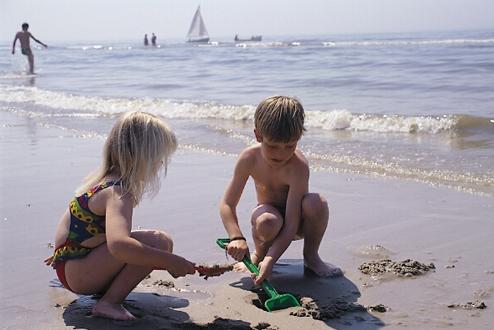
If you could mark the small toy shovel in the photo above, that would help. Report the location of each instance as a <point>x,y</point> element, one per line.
<point>276,301</point>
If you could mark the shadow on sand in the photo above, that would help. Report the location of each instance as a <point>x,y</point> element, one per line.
<point>153,311</point>
<point>336,297</point>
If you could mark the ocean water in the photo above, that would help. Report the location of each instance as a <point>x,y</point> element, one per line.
<point>412,106</point>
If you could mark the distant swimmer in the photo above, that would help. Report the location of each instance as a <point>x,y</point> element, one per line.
<point>24,37</point>
<point>153,40</point>
<point>146,41</point>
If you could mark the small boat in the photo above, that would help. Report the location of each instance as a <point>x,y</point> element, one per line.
<point>197,31</point>
<point>253,38</point>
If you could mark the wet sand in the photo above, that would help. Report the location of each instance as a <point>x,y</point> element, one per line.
<point>372,219</point>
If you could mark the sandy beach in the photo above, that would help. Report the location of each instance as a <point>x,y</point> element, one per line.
<point>372,219</point>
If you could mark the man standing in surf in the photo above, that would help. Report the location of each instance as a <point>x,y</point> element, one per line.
<point>24,37</point>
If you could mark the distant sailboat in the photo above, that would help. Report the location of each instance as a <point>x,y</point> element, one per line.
<point>197,30</point>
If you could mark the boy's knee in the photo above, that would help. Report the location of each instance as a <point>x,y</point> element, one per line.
<point>314,206</point>
<point>266,226</point>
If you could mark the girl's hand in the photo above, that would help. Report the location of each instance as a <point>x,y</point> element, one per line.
<point>237,249</point>
<point>48,261</point>
<point>265,270</point>
<point>180,267</point>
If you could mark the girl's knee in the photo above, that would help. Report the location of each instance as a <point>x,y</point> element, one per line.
<point>155,238</point>
<point>165,240</point>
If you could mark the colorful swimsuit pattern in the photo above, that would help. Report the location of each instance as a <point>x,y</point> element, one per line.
<point>84,224</point>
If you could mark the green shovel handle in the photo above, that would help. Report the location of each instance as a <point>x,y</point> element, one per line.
<point>268,288</point>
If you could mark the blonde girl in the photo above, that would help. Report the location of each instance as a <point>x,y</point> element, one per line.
<point>96,249</point>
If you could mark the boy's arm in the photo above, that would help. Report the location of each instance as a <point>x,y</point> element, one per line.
<point>39,42</point>
<point>229,202</point>
<point>298,188</point>
<point>13,44</point>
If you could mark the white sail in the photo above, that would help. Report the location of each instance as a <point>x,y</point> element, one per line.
<point>197,30</point>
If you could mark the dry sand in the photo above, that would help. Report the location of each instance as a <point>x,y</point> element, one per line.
<point>371,219</point>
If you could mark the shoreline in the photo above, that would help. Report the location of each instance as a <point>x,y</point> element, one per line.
<point>371,218</point>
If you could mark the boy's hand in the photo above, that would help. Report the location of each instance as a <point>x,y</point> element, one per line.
<point>237,249</point>
<point>180,267</point>
<point>265,269</point>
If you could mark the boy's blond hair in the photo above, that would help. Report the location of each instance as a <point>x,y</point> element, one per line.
<point>280,119</point>
<point>137,147</point>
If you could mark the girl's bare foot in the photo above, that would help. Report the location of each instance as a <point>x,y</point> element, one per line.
<point>112,311</point>
<point>320,268</point>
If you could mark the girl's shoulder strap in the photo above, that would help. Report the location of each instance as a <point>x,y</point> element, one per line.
<point>102,186</point>
<point>111,183</point>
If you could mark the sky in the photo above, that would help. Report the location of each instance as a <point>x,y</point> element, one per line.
<point>98,20</point>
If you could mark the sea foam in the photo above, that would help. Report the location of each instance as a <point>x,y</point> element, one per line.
<point>331,120</point>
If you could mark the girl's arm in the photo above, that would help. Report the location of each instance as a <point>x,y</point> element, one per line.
<point>123,247</point>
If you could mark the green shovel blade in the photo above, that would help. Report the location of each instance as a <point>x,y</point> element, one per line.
<point>276,301</point>
<point>281,301</point>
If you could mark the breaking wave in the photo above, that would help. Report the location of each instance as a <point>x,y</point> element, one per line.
<point>66,104</point>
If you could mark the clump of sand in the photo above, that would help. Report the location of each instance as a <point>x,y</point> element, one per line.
<point>164,283</point>
<point>477,304</point>
<point>333,310</point>
<point>378,308</point>
<point>220,323</point>
<point>206,271</point>
<point>405,268</point>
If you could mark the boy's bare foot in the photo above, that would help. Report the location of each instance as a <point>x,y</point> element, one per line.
<point>112,311</point>
<point>321,268</point>
<point>240,266</point>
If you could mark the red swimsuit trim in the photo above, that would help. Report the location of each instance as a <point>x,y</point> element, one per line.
<point>60,269</point>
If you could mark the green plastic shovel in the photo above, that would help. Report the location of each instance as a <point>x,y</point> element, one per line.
<point>276,301</point>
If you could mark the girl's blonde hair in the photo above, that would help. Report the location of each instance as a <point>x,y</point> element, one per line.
<point>139,144</point>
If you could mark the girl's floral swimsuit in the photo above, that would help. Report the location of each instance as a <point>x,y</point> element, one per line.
<point>84,224</point>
